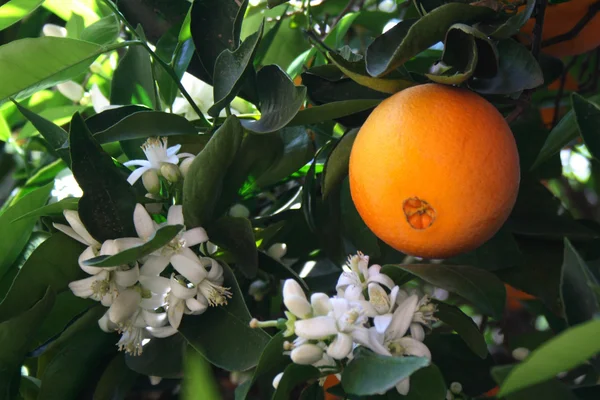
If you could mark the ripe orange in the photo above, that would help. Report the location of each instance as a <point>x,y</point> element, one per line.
<point>331,381</point>
<point>434,171</point>
<point>561,18</point>
<point>514,297</point>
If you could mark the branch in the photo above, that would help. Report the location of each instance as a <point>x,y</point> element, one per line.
<point>594,8</point>
<point>540,15</point>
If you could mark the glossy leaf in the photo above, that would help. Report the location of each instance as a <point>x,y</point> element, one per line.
<point>512,26</point>
<point>567,350</point>
<point>410,37</point>
<point>577,285</point>
<point>336,166</point>
<point>460,56</point>
<point>464,326</point>
<point>161,357</point>
<point>231,68</point>
<point>19,231</point>
<point>480,287</point>
<point>293,376</point>
<point>133,80</point>
<point>204,181</point>
<point>53,264</point>
<point>427,383</point>
<point>161,238</point>
<point>236,236</point>
<point>106,207</point>
<point>57,115</point>
<point>63,59</point>
<point>354,227</point>
<point>15,10</point>
<point>552,389</point>
<point>329,111</point>
<point>116,381</point>
<point>280,100</point>
<point>587,116</point>
<point>104,31</point>
<point>370,373</point>
<point>230,343</point>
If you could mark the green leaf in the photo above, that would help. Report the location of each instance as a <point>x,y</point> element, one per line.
<point>356,70</point>
<point>336,166</point>
<point>59,116</point>
<point>577,284</point>
<point>116,381</point>
<point>275,3</point>
<point>53,264</point>
<point>204,181</point>
<point>517,70</point>
<point>293,376</point>
<point>104,31</point>
<point>198,379</point>
<point>160,238</point>
<point>215,26</point>
<point>329,111</point>
<point>5,132</point>
<point>15,10</point>
<point>426,384</point>
<point>236,236</point>
<point>562,353</point>
<point>106,207</point>
<point>185,33</point>
<point>230,343</point>
<point>280,100</point>
<point>369,373</point>
<point>63,59</point>
<point>161,357</point>
<point>512,25</point>
<point>354,227</point>
<point>133,81</point>
<point>335,38</point>
<point>278,269</point>
<point>17,335</point>
<point>480,287</point>
<point>231,68</point>
<point>409,37</point>
<point>549,390</point>
<point>587,116</point>
<point>464,326</point>
<point>69,203</point>
<point>271,362</point>
<point>19,231</point>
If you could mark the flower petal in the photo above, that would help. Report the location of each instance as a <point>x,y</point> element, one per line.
<point>180,291</point>
<point>298,305</point>
<point>86,255</point>
<point>154,319</point>
<point>67,230</point>
<point>376,343</point>
<point>320,304</point>
<point>175,313</point>
<point>291,287</point>
<point>137,174</point>
<point>417,332</point>
<point>173,149</point>
<point>124,306</point>
<point>402,318</point>
<point>192,270</point>
<point>175,215</point>
<point>128,242</point>
<point>382,322</point>
<point>316,328</point>
<point>340,347</point>
<point>127,278</point>
<point>413,347</point>
<point>194,236</point>
<point>73,219</point>
<point>403,387</point>
<point>162,332</point>
<point>197,305</point>
<point>144,226</point>
<point>154,265</point>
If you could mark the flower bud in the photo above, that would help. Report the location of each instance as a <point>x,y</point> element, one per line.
<point>277,250</point>
<point>295,299</point>
<point>456,387</point>
<point>316,328</point>
<point>340,347</point>
<point>151,181</point>
<point>71,90</point>
<point>417,332</point>
<point>124,306</point>
<point>54,30</point>
<point>277,379</point>
<point>239,211</point>
<point>320,303</point>
<point>306,354</point>
<point>171,172</point>
<point>184,167</point>
<point>154,380</point>
<point>520,353</point>
<point>257,289</point>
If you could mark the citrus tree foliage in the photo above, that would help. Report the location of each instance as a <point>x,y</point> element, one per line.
<point>176,206</point>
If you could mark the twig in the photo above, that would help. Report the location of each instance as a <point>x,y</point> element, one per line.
<point>540,15</point>
<point>594,8</point>
<point>561,89</point>
<point>312,36</point>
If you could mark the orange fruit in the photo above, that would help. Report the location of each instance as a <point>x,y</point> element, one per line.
<point>434,171</point>
<point>561,18</point>
<point>514,297</point>
<point>330,381</point>
<point>547,112</point>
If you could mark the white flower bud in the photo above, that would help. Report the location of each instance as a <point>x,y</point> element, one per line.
<point>154,380</point>
<point>127,278</point>
<point>456,387</point>
<point>151,181</point>
<point>320,303</point>
<point>306,354</point>
<point>124,306</point>
<point>340,347</point>
<point>171,172</point>
<point>316,328</point>
<point>239,211</point>
<point>417,332</point>
<point>295,299</point>
<point>520,353</point>
<point>54,30</point>
<point>277,379</point>
<point>184,167</point>
<point>277,250</point>
<point>71,90</point>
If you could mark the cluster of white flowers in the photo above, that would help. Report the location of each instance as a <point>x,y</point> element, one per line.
<point>141,303</point>
<point>369,310</point>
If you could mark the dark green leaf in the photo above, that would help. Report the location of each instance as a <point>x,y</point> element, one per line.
<point>354,227</point>
<point>517,70</point>
<point>329,111</point>
<point>464,326</point>
<point>204,181</point>
<point>272,361</point>
<point>53,264</point>
<point>230,343</point>
<point>512,26</point>
<point>313,392</point>
<point>69,203</point>
<point>336,166</point>
<point>104,31</point>
<point>587,116</point>
<point>577,284</point>
<point>106,207</point>
<point>15,10</point>
<point>293,376</point>
<point>231,68</point>
<point>116,381</point>
<point>480,287</point>
<point>17,335</point>
<point>215,27</point>
<point>549,390</point>
<point>567,350</point>
<point>409,37</point>
<point>356,70</point>
<point>236,236</point>
<point>19,231</point>
<point>63,59</point>
<point>280,100</point>
<point>160,238</point>
<point>161,357</point>
<point>278,269</point>
<point>111,116</point>
<point>370,373</point>
<point>426,384</point>
<point>133,81</point>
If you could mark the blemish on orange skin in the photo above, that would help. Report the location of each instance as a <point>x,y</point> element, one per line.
<point>419,213</point>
